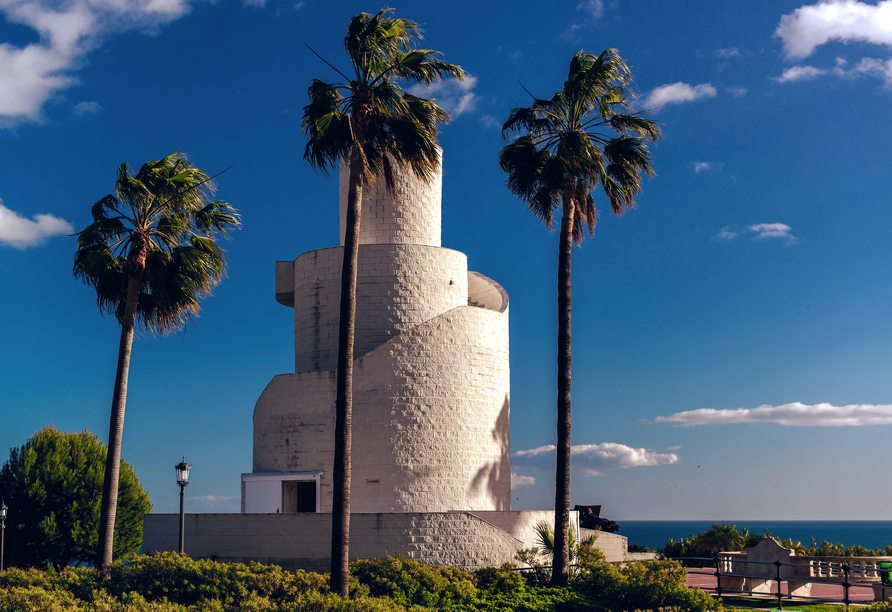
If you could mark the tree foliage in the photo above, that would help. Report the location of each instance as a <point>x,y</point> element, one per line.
<point>53,488</point>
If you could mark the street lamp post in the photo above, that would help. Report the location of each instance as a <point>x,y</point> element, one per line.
<point>183,470</point>
<point>3,509</point>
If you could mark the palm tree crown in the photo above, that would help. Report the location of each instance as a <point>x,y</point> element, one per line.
<point>371,113</point>
<point>159,226</point>
<point>577,139</point>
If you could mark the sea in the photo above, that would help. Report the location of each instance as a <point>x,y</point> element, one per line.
<point>869,534</point>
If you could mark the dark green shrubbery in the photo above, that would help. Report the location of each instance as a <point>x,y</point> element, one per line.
<point>643,585</point>
<point>410,583</point>
<point>170,582</point>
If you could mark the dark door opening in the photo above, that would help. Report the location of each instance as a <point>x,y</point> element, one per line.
<point>299,496</point>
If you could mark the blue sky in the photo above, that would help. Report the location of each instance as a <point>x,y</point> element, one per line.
<point>732,338</point>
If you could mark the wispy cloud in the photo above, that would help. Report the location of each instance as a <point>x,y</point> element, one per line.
<point>728,53</point>
<point>217,503</point>
<point>456,97</point>
<point>795,414</point>
<point>491,122</point>
<point>592,11</point>
<point>67,32</point>
<point>20,233</point>
<point>87,109</point>
<point>809,27</point>
<point>593,458</point>
<point>800,73</point>
<point>725,234</point>
<point>677,93</point>
<point>709,166</point>
<point>738,91</point>
<point>521,481</point>
<point>762,231</point>
<point>868,66</point>
<point>773,230</point>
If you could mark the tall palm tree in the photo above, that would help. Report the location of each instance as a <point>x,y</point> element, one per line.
<point>370,122</point>
<point>584,135</point>
<point>151,254</point>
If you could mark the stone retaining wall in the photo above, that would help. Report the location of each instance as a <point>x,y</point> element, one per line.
<point>303,541</point>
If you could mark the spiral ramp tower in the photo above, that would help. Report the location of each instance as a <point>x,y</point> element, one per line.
<point>431,430</point>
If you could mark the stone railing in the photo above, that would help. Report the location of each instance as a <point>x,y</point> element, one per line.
<point>754,570</point>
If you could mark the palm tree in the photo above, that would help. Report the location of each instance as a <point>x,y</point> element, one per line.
<point>369,122</point>
<point>719,538</point>
<point>584,135</point>
<point>151,254</point>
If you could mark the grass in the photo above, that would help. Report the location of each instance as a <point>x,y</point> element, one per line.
<point>746,603</point>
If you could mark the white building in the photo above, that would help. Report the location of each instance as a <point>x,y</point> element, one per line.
<point>431,430</point>
<point>431,412</point>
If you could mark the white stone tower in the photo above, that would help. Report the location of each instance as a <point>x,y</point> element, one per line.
<point>430,407</point>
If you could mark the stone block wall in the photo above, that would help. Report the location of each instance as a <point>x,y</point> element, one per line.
<point>431,419</point>
<point>415,218</point>
<point>398,287</point>
<point>303,541</point>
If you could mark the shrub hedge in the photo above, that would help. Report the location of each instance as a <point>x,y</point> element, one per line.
<point>170,582</point>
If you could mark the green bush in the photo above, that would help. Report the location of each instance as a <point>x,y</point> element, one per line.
<point>642,585</point>
<point>187,581</point>
<point>171,582</point>
<point>410,583</point>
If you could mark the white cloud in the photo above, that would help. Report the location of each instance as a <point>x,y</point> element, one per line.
<point>491,122</point>
<point>710,166</point>
<point>773,230</point>
<point>809,27</point>
<point>217,503</point>
<point>799,73</point>
<point>726,233</point>
<point>87,109</point>
<point>455,97</point>
<point>728,53</point>
<point>299,5</point>
<point>872,67</point>
<point>592,8</point>
<point>521,481</point>
<point>794,414</point>
<point>67,31</point>
<point>254,3</point>
<point>676,93</point>
<point>20,233</point>
<point>738,91</point>
<point>592,458</point>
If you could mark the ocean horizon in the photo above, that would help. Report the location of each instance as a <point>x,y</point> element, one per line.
<point>869,534</point>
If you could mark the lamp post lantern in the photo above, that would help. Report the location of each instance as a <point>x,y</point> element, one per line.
<point>183,470</point>
<point>3,509</point>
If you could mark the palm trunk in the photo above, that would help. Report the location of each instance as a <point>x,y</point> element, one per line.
<point>116,431</point>
<point>560,575</point>
<point>340,512</point>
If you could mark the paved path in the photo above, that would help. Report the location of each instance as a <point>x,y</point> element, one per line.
<point>705,579</point>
